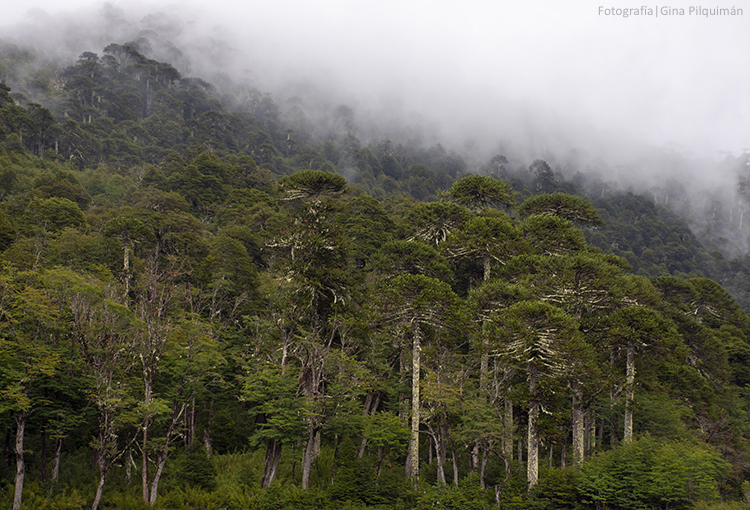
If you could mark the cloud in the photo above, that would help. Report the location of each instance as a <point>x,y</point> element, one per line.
<point>547,72</point>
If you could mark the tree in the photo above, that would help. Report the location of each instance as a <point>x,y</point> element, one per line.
<point>432,222</point>
<point>533,336</point>
<point>568,207</point>
<point>101,326</point>
<point>478,192</point>
<point>635,328</point>
<point>27,321</point>
<point>412,302</point>
<point>128,231</point>
<point>484,239</point>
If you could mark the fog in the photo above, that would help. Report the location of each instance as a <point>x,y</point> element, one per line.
<point>651,97</point>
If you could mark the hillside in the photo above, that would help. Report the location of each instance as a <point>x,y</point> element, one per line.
<point>243,307</point>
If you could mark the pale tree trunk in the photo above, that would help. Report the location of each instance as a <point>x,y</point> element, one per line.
<point>578,425</point>
<point>160,463</point>
<point>474,458</point>
<point>309,455</point>
<point>271,463</point>
<point>440,460</point>
<point>629,380</point>
<point>487,263</point>
<point>144,462</point>
<point>455,464</point>
<point>100,485</point>
<point>532,456</point>
<point>20,464</point>
<point>508,429</point>
<point>207,443</point>
<point>439,438</point>
<point>412,467</point>
<point>163,452</point>
<point>56,462</point>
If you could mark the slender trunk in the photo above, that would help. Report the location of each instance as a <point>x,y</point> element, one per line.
<point>532,457</point>
<point>144,462</point>
<point>412,468</point>
<point>630,379</point>
<point>474,459</point>
<point>207,442</point>
<point>508,429</point>
<point>271,463</point>
<point>20,465</point>
<point>439,457</point>
<point>309,455</point>
<point>160,463</point>
<point>56,462</point>
<point>551,452</point>
<point>487,263</point>
<point>564,455</point>
<point>99,488</point>
<point>454,460</point>
<point>577,419</point>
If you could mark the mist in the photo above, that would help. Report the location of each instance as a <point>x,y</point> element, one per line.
<point>638,100</point>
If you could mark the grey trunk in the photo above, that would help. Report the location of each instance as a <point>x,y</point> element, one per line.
<point>532,456</point>
<point>629,381</point>
<point>578,425</point>
<point>412,468</point>
<point>20,464</point>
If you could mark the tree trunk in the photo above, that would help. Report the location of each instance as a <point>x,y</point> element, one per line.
<point>207,442</point>
<point>309,455</point>
<point>271,464</point>
<point>454,460</point>
<point>20,465</point>
<point>412,468</point>
<point>578,426</point>
<point>487,262</point>
<point>508,429</point>
<point>99,488</point>
<point>56,462</point>
<point>532,456</point>
<point>144,462</point>
<point>440,459</point>
<point>160,463</point>
<point>629,380</point>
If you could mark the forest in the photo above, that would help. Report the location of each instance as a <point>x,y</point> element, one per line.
<point>211,302</point>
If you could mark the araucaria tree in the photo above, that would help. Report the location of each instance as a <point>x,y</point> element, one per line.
<point>410,303</point>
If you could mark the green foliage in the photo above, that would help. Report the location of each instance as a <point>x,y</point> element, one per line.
<point>477,192</point>
<point>196,470</point>
<point>287,307</point>
<point>646,474</point>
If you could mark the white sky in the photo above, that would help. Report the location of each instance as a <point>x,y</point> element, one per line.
<point>490,66</point>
